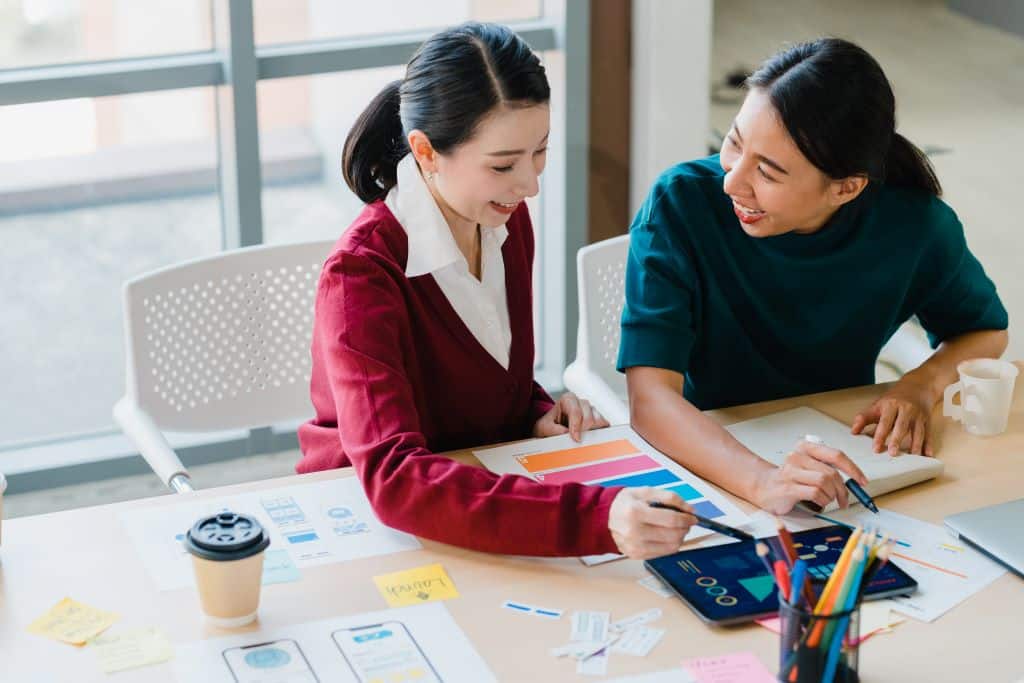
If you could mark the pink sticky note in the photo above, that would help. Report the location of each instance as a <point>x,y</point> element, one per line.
<point>773,624</point>
<point>741,667</point>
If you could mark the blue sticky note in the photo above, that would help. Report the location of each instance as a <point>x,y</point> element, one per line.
<point>279,568</point>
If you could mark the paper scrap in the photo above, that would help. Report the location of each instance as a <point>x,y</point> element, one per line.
<point>278,567</point>
<point>741,667</point>
<point>638,641</point>
<point>72,622</point>
<point>131,649</point>
<point>416,586</point>
<point>523,608</point>
<point>595,665</point>
<point>589,626</point>
<point>583,649</point>
<point>638,619</point>
<point>654,584</point>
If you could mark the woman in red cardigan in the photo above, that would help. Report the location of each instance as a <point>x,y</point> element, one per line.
<point>423,337</point>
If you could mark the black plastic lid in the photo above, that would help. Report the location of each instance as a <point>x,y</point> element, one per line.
<point>226,536</point>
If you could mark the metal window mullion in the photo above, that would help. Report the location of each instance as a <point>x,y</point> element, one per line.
<point>238,134</point>
<point>115,77</point>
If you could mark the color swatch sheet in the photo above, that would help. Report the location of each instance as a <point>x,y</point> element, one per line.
<point>316,523</point>
<point>947,571</point>
<point>420,644</point>
<point>616,456</point>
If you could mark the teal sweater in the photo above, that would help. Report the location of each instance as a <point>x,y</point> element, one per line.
<point>751,319</point>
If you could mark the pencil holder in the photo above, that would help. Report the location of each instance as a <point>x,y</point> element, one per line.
<point>817,648</point>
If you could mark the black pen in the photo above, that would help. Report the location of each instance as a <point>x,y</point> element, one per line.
<point>856,489</point>
<point>707,523</point>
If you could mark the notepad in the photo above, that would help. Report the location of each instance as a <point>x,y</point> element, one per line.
<point>773,437</point>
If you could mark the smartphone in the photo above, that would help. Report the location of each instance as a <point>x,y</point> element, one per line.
<point>278,661</point>
<point>385,652</point>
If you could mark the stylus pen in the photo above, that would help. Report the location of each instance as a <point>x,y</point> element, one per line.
<point>707,523</point>
<point>856,489</point>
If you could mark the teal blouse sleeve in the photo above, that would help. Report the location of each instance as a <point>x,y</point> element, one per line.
<point>658,320</point>
<point>962,298</point>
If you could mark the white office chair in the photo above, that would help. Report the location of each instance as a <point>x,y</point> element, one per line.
<point>600,277</point>
<point>218,343</point>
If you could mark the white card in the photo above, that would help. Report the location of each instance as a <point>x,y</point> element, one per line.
<point>654,584</point>
<point>638,641</point>
<point>589,626</point>
<point>640,619</point>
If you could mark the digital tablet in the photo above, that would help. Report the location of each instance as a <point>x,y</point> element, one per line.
<point>728,584</point>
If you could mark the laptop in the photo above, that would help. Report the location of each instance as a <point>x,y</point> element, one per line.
<point>996,530</point>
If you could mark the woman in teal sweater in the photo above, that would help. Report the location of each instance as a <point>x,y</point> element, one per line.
<point>781,266</point>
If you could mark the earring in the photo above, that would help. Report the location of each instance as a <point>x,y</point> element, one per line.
<point>430,176</point>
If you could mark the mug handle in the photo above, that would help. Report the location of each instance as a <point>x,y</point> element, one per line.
<point>948,408</point>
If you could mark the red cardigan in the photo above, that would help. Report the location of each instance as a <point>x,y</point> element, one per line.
<point>397,376</point>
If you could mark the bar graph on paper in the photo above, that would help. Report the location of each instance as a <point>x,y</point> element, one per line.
<point>616,456</point>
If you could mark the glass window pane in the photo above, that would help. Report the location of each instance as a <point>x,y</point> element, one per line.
<point>92,192</point>
<point>40,32</point>
<point>290,21</point>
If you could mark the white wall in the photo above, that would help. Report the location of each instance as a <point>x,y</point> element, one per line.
<point>671,81</point>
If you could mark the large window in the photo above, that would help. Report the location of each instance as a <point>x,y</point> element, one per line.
<point>129,135</point>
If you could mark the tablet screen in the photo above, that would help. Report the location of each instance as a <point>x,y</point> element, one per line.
<point>729,583</point>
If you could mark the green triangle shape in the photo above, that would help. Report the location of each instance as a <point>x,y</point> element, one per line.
<point>759,586</point>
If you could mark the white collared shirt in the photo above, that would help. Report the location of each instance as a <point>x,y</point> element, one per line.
<point>481,304</point>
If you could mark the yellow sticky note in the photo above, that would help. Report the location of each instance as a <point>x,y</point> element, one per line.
<point>131,649</point>
<point>72,622</point>
<point>415,586</point>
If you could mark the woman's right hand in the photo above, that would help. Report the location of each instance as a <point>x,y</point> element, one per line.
<point>642,532</point>
<point>809,473</point>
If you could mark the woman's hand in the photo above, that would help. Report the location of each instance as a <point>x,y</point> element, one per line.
<point>900,418</point>
<point>570,415</point>
<point>642,532</point>
<point>809,473</point>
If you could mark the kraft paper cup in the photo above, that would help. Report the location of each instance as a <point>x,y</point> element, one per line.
<point>227,559</point>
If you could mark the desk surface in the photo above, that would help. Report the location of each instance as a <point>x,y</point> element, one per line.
<point>85,554</point>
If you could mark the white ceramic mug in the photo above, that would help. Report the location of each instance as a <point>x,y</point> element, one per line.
<point>986,392</point>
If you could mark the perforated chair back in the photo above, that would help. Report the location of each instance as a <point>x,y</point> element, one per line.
<point>224,342</point>
<point>602,291</point>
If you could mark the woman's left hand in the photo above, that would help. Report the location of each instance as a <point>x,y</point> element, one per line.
<point>900,416</point>
<point>572,415</point>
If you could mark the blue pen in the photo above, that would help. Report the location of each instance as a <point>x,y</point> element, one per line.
<point>797,578</point>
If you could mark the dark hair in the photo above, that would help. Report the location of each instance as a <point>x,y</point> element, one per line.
<point>838,106</point>
<point>455,79</point>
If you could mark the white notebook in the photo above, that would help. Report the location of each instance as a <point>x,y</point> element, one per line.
<point>773,437</point>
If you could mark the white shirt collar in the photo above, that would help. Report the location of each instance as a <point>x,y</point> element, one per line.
<point>431,244</point>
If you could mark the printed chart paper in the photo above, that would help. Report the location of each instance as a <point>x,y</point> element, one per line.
<point>616,456</point>
<point>316,523</point>
<point>947,571</point>
<point>421,644</point>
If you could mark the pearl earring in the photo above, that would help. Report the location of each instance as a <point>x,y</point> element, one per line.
<point>430,176</point>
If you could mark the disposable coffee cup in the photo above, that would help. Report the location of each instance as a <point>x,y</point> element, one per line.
<point>986,395</point>
<point>227,558</point>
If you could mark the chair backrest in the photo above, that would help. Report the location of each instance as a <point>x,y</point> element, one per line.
<point>224,342</point>
<point>601,275</point>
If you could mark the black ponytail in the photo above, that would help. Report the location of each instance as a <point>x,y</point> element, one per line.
<point>838,107</point>
<point>374,146</point>
<point>455,79</point>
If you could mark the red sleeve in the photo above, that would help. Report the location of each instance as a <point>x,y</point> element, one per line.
<point>540,404</point>
<point>409,487</point>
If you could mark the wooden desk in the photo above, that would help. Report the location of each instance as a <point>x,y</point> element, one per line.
<point>86,555</point>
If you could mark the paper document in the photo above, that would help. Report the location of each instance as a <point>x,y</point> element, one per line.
<point>131,649</point>
<point>416,586</point>
<point>616,456</point>
<point>421,644</point>
<point>773,437</point>
<point>316,523</point>
<point>72,622</point>
<point>947,571</point>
